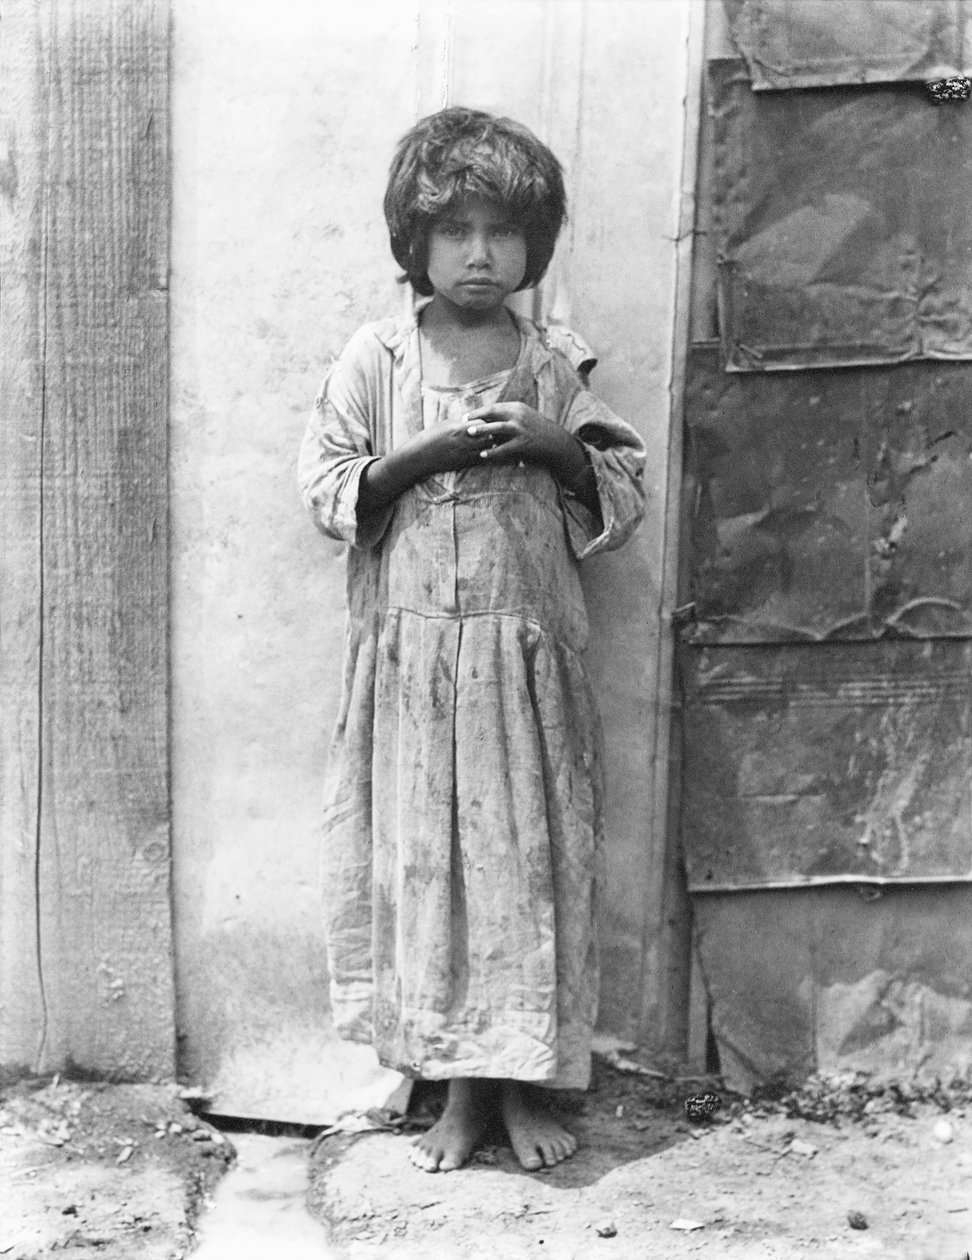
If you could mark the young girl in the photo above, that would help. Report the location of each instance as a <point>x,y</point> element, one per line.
<point>469,470</point>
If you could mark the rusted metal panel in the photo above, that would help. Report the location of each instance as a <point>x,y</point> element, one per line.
<point>920,495</point>
<point>826,506</point>
<point>843,224</point>
<point>776,494</point>
<point>823,763</point>
<point>824,43</point>
<point>829,980</point>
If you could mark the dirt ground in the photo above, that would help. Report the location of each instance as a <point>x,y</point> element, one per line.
<point>120,1172</point>
<point>844,1167</point>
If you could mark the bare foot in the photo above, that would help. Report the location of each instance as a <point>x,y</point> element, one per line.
<point>453,1137</point>
<point>537,1139</point>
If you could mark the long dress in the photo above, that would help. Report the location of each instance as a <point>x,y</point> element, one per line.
<point>462,817</point>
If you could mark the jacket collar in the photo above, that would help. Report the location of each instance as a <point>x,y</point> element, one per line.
<point>400,337</point>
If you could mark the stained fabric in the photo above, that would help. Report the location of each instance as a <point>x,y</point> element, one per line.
<point>843,225</point>
<point>462,824</point>
<point>826,43</point>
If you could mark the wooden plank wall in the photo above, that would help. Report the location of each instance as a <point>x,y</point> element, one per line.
<point>85,968</point>
<point>21,401</point>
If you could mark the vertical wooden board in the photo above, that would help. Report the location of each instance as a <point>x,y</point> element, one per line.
<point>104,857</point>
<point>22,120</point>
<point>622,274</point>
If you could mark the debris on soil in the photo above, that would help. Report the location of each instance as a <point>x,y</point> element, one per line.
<point>765,1176</point>
<point>942,1132</point>
<point>607,1229</point>
<point>833,1097</point>
<point>622,1062</point>
<point>120,1169</point>
<point>702,1106</point>
<point>856,1220</point>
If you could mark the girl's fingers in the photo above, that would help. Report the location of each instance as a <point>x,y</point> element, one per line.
<point>496,412</point>
<point>511,448</point>
<point>498,431</point>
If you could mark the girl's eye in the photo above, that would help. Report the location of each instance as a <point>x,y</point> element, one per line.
<point>506,230</point>
<point>453,230</point>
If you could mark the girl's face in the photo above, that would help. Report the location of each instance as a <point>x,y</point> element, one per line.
<point>477,257</point>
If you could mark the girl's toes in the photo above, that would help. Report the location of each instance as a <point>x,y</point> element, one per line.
<point>557,1149</point>
<point>422,1158</point>
<point>529,1158</point>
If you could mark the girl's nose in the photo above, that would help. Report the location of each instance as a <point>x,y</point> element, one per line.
<point>479,251</point>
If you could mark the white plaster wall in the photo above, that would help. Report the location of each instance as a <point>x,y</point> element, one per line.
<point>282,117</point>
<point>285,113</point>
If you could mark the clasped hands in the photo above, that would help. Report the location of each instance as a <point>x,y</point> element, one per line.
<point>510,432</point>
<point>505,432</point>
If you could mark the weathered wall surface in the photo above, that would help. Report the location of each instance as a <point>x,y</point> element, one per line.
<point>825,657</point>
<point>284,118</point>
<point>85,942</point>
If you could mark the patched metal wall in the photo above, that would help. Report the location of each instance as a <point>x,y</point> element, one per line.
<point>843,223</point>
<point>828,505</point>
<point>828,763</point>
<point>821,43</point>
<point>825,656</point>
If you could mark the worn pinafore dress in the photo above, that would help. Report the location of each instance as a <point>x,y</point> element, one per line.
<point>463,796</point>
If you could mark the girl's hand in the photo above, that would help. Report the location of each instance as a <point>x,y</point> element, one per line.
<point>443,448</point>
<point>448,447</point>
<point>514,432</point>
<point>507,432</point>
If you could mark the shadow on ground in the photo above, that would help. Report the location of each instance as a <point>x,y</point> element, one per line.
<point>366,1191</point>
<point>622,1117</point>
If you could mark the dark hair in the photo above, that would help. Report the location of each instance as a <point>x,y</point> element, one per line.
<point>458,153</point>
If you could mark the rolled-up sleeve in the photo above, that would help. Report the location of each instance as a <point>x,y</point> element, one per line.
<point>337,447</point>
<point>617,456</point>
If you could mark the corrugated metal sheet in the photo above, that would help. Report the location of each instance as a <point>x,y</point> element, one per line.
<point>844,225</point>
<point>825,661</point>
<point>823,763</point>
<point>826,979</point>
<point>823,43</point>
<point>829,505</point>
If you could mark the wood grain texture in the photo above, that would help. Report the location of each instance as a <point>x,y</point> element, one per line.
<point>94,522</point>
<point>21,402</point>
